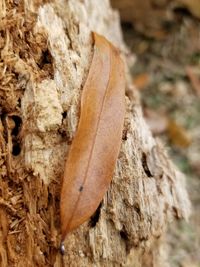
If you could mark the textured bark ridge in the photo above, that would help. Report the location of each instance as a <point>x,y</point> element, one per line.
<point>46,51</point>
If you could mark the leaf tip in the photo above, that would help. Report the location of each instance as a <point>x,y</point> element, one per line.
<point>62,248</point>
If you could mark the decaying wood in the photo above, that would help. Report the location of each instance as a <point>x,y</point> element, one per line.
<point>46,51</point>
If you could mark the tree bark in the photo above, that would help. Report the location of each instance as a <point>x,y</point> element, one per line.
<point>46,51</point>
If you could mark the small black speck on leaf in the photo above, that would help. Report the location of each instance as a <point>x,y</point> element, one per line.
<point>81,188</point>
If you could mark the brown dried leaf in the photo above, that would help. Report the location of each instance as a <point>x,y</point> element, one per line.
<point>178,134</point>
<point>94,150</point>
<point>192,5</point>
<point>148,17</point>
<point>141,80</point>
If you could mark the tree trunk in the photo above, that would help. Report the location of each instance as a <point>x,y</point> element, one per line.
<point>46,51</point>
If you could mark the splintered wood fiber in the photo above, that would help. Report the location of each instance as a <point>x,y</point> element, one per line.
<point>28,207</point>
